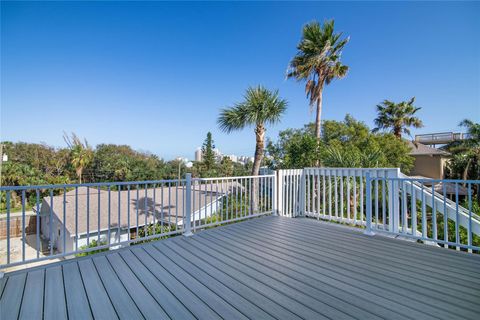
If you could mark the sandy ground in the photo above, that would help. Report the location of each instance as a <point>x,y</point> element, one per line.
<point>16,253</point>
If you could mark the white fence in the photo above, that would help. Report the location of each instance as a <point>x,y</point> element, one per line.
<point>80,218</point>
<point>385,201</point>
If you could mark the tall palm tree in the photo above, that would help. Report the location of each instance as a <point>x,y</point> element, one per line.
<point>318,63</point>
<point>259,108</point>
<point>81,153</point>
<point>397,117</point>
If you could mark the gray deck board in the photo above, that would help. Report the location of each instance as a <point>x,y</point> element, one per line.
<point>143,299</point>
<point>275,309</point>
<point>188,298</point>
<point>12,297</point>
<point>55,306</point>
<point>77,302</point>
<point>173,307</point>
<point>361,270</point>
<point>247,308</point>
<point>265,268</point>
<point>33,296</point>
<point>217,303</point>
<point>121,300</point>
<point>280,297</point>
<point>97,296</point>
<point>354,246</point>
<point>321,277</point>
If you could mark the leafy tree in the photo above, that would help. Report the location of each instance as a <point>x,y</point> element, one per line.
<point>295,148</point>
<point>259,108</point>
<point>122,163</point>
<point>207,152</point>
<point>226,168</point>
<point>397,117</point>
<point>465,163</point>
<point>81,153</point>
<point>318,63</point>
<point>348,143</point>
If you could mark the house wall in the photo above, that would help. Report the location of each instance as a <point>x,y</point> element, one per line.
<point>430,166</point>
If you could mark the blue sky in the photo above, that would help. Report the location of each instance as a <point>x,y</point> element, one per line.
<point>154,75</point>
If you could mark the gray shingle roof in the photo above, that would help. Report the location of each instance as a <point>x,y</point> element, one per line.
<point>421,149</point>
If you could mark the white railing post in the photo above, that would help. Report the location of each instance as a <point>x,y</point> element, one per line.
<point>368,230</point>
<point>187,231</point>
<point>280,193</point>
<point>274,193</point>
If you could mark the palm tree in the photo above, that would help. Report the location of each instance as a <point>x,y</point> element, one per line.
<point>318,63</point>
<point>259,108</point>
<point>469,149</point>
<point>397,117</point>
<point>81,153</point>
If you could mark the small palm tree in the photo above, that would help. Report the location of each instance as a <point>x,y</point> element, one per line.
<point>81,153</point>
<point>318,63</point>
<point>469,149</point>
<point>397,117</point>
<point>259,108</point>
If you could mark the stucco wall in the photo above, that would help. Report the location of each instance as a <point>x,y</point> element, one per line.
<point>429,166</point>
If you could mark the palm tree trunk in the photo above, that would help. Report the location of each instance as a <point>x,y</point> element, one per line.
<point>318,119</point>
<point>259,146</point>
<point>397,132</point>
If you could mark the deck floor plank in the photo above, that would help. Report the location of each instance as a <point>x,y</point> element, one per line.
<point>341,301</point>
<point>263,268</point>
<point>100,303</point>
<point>354,290</point>
<point>223,308</point>
<point>312,238</point>
<point>55,306</point>
<point>369,272</point>
<point>293,305</point>
<point>32,303</point>
<point>78,305</point>
<point>247,308</point>
<point>196,305</point>
<point>11,300</point>
<point>121,300</point>
<point>143,299</point>
<point>174,308</point>
<point>275,309</point>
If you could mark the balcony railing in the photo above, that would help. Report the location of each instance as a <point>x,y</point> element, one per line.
<point>60,221</point>
<point>57,221</point>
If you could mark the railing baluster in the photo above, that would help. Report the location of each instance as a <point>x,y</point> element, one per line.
<point>24,239</point>
<point>50,220</point>
<point>7,199</point>
<point>119,208</point>
<point>424,214</point>
<point>445,216</point>
<point>457,231</point>
<point>434,214</point>
<point>413,204</point>
<point>88,217</point>
<point>469,228</point>
<point>37,226</point>
<point>64,218</point>
<point>109,217</point>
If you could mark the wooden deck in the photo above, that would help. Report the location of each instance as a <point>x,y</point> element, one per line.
<point>264,268</point>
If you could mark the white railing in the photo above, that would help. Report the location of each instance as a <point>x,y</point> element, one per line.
<point>58,221</point>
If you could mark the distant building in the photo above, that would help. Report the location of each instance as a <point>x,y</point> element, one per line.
<point>198,155</point>
<point>429,162</point>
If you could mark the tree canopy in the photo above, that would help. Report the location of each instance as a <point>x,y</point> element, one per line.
<point>347,143</point>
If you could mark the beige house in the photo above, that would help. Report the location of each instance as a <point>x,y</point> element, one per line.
<point>429,162</point>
